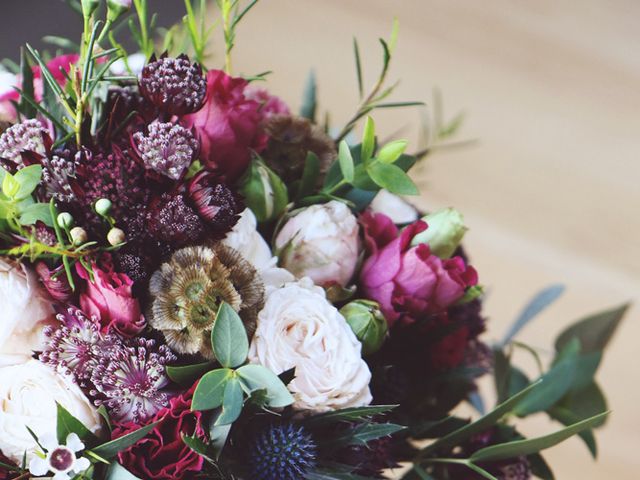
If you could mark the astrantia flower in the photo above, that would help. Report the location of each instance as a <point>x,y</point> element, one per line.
<point>130,381</point>
<point>171,220</point>
<point>187,291</point>
<point>174,85</point>
<point>215,202</point>
<point>58,171</point>
<point>281,452</point>
<point>27,136</point>
<point>61,460</point>
<point>166,148</point>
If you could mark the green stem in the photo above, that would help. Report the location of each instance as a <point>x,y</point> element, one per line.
<point>228,34</point>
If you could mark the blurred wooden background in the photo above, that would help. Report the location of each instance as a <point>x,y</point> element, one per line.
<point>552,92</point>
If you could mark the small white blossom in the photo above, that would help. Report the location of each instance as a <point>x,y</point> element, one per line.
<point>60,460</point>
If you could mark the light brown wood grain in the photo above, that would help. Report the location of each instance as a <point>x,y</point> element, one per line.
<point>551,191</point>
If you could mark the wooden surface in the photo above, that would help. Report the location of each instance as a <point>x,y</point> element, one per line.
<point>552,93</point>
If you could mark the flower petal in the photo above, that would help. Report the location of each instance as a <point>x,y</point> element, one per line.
<point>74,443</point>
<point>38,466</point>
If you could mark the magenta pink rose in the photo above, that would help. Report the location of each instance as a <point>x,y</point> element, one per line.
<point>109,297</point>
<point>228,125</point>
<point>409,281</point>
<point>162,454</point>
<point>269,104</point>
<point>56,66</point>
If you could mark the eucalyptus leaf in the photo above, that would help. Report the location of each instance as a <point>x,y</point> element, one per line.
<point>534,445</point>
<point>185,375</point>
<point>229,338</point>
<point>594,331</point>
<point>209,393</point>
<point>256,377</point>
<point>232,402</point>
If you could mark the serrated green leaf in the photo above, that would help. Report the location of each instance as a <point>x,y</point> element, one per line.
<point>346,161</point>
<point>67,423</point>
<point>365,433</point>
<point>368,140</point>
<point>349,414</point>
<point>594,331</point>
<point>110,449</point>
<point>209,393</point>
<point>392,178</point>
<point>185,375</point>
<point>533,445</point>
<point>232,402</point>
<point>229,338</point>
<point>392,151</point>
<point>256,377</point>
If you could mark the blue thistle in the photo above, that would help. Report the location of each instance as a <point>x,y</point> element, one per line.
<point>281,452</point>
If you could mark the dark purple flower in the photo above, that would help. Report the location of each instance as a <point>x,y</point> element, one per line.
<point>215,202</point>
<point>170,219</point>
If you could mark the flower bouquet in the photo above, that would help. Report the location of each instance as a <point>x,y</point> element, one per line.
<point>199,283</point>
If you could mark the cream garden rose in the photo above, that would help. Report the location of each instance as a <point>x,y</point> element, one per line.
<point>299,328</point>
<point>25,311</point>
<point>28,396</point>
<point>320,242</point>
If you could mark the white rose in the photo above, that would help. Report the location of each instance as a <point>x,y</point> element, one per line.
<point>26,310</point>
<point>321,242</point>
<point>299,328</point>
<point>245,238</point>
<point>28,396</point>
<point>396,208</point>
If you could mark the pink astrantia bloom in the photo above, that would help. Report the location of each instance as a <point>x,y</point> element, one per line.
<point>228,125</point>
<point>408,281</point>
<point>109,297</point>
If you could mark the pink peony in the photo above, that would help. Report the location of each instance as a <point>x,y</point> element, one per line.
<point>162,454</point>
<point>55,66</point>
<point>408,281</point>
<point>110,299</point>
<point>228,125</point>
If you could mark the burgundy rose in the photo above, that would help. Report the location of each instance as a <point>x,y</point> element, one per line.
<point>409,281</point>
<point>228,125</point>
<point>162,454</point>
<point>55,282</point>
<point>109,297</point>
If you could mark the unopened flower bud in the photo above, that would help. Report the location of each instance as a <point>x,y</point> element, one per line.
<point>65,220</point>
<point>116,237</point>
<point>103,207</point>
<point>78,235</point>
<point>264,192</point>
<point>89,6</point>
<point>445,232</point>
<point>367,322</point>
<point>115,8</point>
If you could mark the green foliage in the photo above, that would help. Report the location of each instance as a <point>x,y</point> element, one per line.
<point>310,98</point>
<point>229,338</point>
<point>67,423</point>
<point>118,472</point>
<point>187,374</point>
<point>110,449</point>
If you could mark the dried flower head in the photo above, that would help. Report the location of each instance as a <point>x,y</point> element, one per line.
<point>291,138</point>
<point>174,85</point>
<point>166,148</point>
<point>130,381</point>
<point>187,291</point>
<point>215,202</point>
<point>27,136</point>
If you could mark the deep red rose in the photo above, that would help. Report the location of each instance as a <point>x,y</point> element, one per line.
<point>162,454</point>
<point>408,281</point>
<point>110,298</point>
<point>228,126</point>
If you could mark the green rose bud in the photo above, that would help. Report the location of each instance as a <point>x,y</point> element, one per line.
<point>65,220</point>
<point>445,232</point>
<point>367,322</point>
<point>264,192</point>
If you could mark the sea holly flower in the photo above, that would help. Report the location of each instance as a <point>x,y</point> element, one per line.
<point>60,460</point>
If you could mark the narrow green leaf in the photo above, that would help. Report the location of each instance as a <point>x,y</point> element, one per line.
<point>392,178</point>
<point>594,331</point>
<point>346,161</point>
<point>392,151</point>
<point>567,417</point>
<point>27,109</point>
<point>364,433</point>
<point>534,445</point>
<point>356,54</point>
<point>309,176</point>
<point>232,402</point>
<point>349,414</point>
<point>256,377</point>
<point>481,424</point>
<point>110,449</point>
<point>309,98</point>
<point>209,393</point>
<point>67,423</point>
<point>368,140</point>
<point>229,338</point>
<point>185,375</point>
<point>536,305</point>
<point>540,468</point>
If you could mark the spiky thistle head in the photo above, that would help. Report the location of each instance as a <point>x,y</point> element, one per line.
<point>187,291</point>
<point>173,85</point>
<point>281,452</point>
<point>130,382</point>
